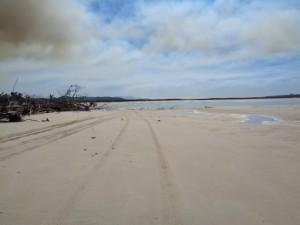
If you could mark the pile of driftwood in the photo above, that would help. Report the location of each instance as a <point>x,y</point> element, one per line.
<point>15,105</point>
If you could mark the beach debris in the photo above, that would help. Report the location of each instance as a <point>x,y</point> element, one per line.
<point>46,120</point>
<point>158,120</point>
<point>93,137</point>
<point>84,149</point>
<point>15,105</point>
<point>94,154</point>
<point>33,120</point>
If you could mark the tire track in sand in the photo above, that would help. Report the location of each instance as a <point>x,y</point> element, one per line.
<point>171,214</point>
<point>75,197</point>
<point>47,139</point>
<point>36,131</point>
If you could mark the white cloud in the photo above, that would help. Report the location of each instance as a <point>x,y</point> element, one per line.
<point>208,31</point>
<point>273,32</point>
<point>169,44</point>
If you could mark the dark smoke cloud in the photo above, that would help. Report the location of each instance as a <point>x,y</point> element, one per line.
<point>40,28</point>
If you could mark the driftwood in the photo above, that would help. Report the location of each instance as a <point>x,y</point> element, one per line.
<point>15,105</point>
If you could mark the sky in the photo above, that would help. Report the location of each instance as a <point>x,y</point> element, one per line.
<point>151,48</point>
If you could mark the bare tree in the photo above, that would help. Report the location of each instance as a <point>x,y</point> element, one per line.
<point>73,91</point>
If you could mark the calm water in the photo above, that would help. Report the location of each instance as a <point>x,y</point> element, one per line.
<point>258,119</point>
<point>176,104</point>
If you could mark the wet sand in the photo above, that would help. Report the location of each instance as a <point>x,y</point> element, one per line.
<point>151,167</point>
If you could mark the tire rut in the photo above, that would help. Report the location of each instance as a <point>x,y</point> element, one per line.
<point>171,214</point>
<point>40,130</point>
<point>75,197</point>
<point>47,139</point>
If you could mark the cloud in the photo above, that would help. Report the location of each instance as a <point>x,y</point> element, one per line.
<point>237,30</point>
<point>273,32</point>
<point>222,30</point>
<point>41,28</point>
<point>183,47</point>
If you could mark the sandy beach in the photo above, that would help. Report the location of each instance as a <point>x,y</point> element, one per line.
<point>160,167</point>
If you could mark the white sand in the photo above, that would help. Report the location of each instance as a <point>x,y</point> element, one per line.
<point>151,167</point>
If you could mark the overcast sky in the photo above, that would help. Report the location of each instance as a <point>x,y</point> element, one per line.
<point>151,48</point>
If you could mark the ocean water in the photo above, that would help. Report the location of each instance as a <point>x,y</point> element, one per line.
<point>162,105</point>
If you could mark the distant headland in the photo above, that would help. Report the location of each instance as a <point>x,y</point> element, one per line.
<point>120,99</point>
